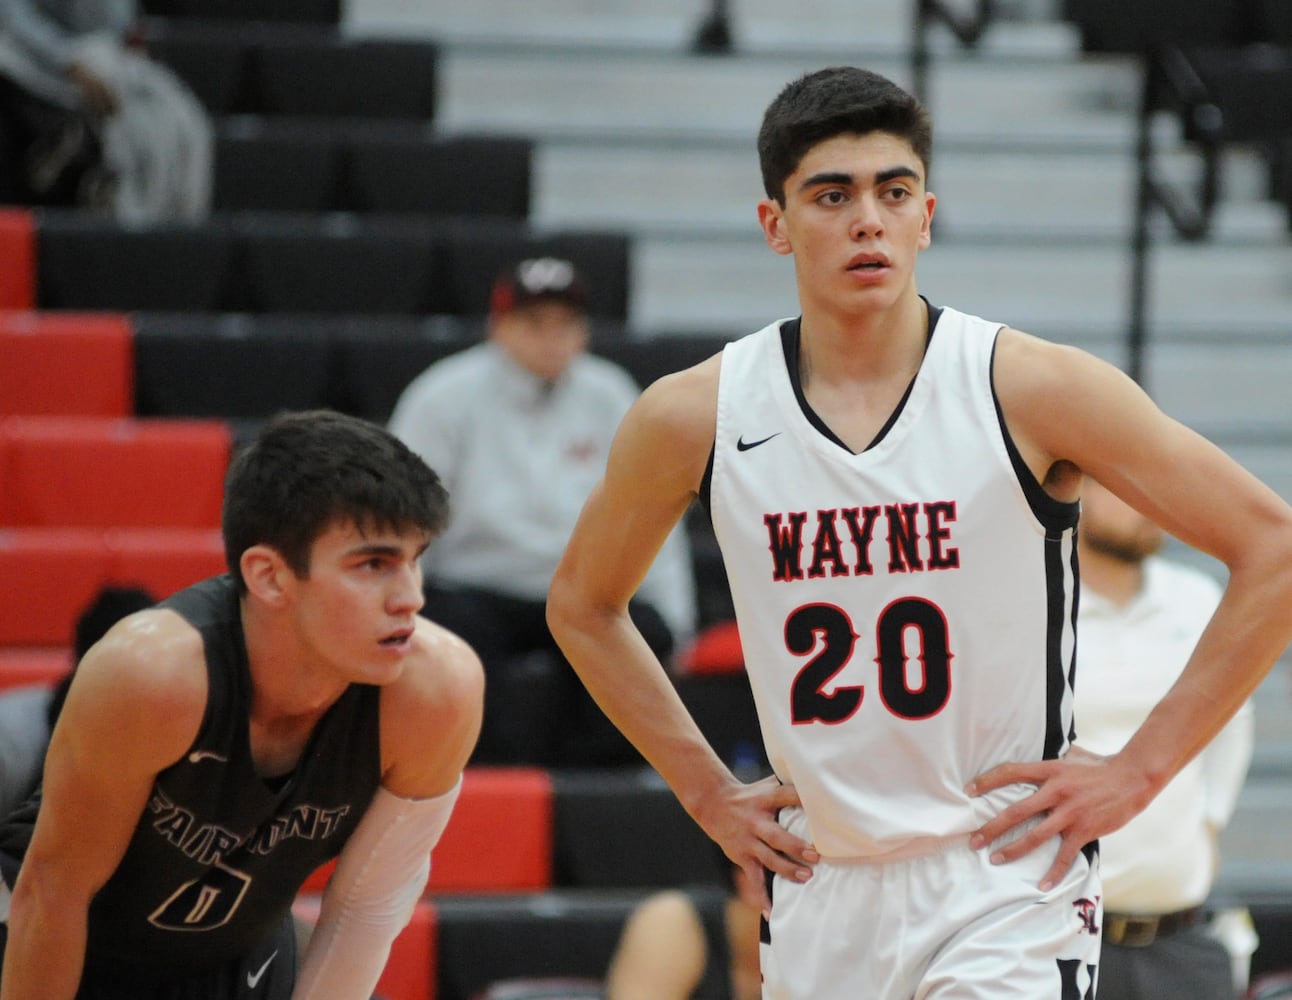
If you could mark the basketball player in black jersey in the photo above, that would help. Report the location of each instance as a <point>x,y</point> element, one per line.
<point>215,750</point>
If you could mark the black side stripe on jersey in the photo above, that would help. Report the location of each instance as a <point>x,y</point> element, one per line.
<point>1071,988</point>
<point>1054,515</point>
<point>1056,671</point>
<point>1076,638</point>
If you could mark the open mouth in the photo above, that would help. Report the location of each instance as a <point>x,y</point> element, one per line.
<point>868,263</point>
<point>397,639</point>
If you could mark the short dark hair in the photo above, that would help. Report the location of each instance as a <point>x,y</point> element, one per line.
<point>306,471</point>
<point>838,100</point>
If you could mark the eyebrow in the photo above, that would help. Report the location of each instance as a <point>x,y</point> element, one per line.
<point>375,549</point>
<point>370,549</point>
<point>840,177</point>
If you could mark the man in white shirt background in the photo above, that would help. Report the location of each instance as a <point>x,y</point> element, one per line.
<point>1139,618</point>
<point>518,427</point>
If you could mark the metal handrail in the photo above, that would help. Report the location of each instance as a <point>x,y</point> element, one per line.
<point>1170,82</point>
<point>968,30</point>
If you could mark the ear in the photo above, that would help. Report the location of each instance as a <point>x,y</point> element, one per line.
<point>267,575</point>
<point>926,230</point>
<point>772,220</point>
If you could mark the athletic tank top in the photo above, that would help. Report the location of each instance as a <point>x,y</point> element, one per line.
<point>906,613</point>
<point>220,853</point>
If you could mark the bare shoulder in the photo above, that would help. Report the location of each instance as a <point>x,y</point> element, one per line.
<point>1029,369</point>
<point>1063,404</point>
<point>443,671</point>
<point>671,426</point>
<point>685,399</point>
<point>430,716</point>
<point>146,677</point>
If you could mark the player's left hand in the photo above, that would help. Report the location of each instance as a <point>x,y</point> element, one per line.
<point>1077,799</point>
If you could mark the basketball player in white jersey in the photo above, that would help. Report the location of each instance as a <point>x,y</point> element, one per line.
<point>895,489</point>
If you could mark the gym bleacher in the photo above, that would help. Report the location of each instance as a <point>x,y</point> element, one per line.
<point>377,161</point>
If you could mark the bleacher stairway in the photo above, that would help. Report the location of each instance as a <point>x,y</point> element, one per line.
<point>1034,165</point>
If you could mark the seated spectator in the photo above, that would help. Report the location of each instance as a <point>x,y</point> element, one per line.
<point>1139,618</point>
<point>689,944</point>
<point>519,428</point>
<point>152,135</point>
<point>28,714</point>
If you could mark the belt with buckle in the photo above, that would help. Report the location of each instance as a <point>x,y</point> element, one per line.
<point>1139,930</point>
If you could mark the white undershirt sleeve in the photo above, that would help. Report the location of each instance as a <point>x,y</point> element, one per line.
<point>380,875</point>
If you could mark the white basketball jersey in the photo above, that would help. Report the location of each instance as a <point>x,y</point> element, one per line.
<point>907,612</point>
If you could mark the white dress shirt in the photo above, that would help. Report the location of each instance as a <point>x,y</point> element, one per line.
<point>519,456</point>
<point>1127,657</point>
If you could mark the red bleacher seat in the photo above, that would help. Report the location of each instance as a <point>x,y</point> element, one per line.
<point>163,560</point>
<point>17,259</point>
<point>47,577</point>
<point>112,472</point>
<point>716,650</point>
<point>500,838</point>
<point>74,364</point>
<point>24,665</point>
<point>410,971</point>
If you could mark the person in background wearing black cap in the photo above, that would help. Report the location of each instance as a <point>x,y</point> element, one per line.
<point>519,427</point>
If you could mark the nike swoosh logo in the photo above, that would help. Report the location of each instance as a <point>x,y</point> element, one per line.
<point>743,445</point>
<point>254,979</point>
<point>197,756</point>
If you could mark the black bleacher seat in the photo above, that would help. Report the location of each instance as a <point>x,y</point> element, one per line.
<point>334,76</point>
<point>212,60</point>
<point>479,176</point>
<point>479,251</point>
<point>267,163</point>
<point>84,262</point>
<point>649,358</point>
<point>298,11</point>
<point>1250,86</point>
<point>1133,26</point>
<point>482,939</point>
<point>1273,21</point>
<point>270,262</point>
<point>722,705</point>
<point>276,169</point>
<point>229,366</point>
<point>255,262</point>
<point>301,69</point>
<point>374,359</point>
<point>626,829</point>
<point>335,265</point>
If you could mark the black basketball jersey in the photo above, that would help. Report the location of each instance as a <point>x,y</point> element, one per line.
<point>220,853</point>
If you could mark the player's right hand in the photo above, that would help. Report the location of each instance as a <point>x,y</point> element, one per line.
<point>744,823</point>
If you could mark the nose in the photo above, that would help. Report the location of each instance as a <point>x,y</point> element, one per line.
<point>406,596</point>
<point>866,221</point>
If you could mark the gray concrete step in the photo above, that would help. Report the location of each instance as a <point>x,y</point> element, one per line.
<point>605,94</point>
<point>1198,291</point>
<point>757,26</point>
<point>652,187</point>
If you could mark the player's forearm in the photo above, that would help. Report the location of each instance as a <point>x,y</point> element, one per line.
<point>631,686</point>
<point>1241,643</point>
<point>45,953</point>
